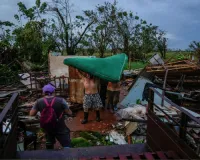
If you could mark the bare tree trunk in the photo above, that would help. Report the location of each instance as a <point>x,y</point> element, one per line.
<point>71,51</point>
<point>101,52</point>
<point>126,47</point>
<point>164,53</point>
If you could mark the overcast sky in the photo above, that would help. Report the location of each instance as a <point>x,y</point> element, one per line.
<point>179,18</point>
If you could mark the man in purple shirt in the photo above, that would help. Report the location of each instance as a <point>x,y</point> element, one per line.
<point>61,131</point>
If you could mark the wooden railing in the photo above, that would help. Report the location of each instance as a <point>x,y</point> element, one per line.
<point>38,79</point>
<point>8,135</point>
<point>162,136</point>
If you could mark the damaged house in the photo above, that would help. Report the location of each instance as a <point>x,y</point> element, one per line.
<point>167,129</point>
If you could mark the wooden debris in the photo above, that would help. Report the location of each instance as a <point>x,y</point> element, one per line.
<point>184,65</point>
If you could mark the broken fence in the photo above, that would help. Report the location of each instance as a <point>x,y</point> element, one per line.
<point>161,136</point>
<point>8,133</point>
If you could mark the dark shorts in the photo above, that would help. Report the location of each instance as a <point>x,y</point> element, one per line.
<point>62,136</point>
<point>92,101</point>
<point>112,97</point>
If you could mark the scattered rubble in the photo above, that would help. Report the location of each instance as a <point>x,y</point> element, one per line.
<point>6,128</point>
<point>131,73</point>
<point>134,112</point>
<point>130,127</point>
<point>117,138</point>
<point>131,116</point>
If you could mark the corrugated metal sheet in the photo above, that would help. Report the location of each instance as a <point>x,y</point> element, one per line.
<point>136,93</point>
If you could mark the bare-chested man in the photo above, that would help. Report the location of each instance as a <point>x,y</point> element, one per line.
<point>91,98</point>
<point>113,92</point>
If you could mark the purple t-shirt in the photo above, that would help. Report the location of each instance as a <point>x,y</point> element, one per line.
<point>59,106</point>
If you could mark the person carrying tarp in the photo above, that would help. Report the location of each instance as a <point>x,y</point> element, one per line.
<point>113,92</point>
<point>91,98</point>
<point>52,119</point>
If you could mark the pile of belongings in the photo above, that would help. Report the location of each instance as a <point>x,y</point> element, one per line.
<point>135,112</point>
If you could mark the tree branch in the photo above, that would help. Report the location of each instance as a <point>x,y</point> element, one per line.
<point>64,26</point>
<point>81,36</point>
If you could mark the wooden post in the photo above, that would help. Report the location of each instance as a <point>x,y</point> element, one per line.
<point>129,139</point>
<point>150,100</point>
<point>60,84</point>
<point>63,79</point>
<point>129,64</point>
<point>36,83</point>
<point>31,81</point>
<point>55,84</point>
<point>1,129</point>
<point>164,86</point>
<point>184,120</point>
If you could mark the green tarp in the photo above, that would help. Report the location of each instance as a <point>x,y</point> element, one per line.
<point>109,68</point>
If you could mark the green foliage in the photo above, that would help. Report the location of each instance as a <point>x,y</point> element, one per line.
<point>105,27</point>
<point>43,7</point>
<point>88,135</point>
<point>31,13</point>
<point>95,138</point>
<point>181,57</point>
<point>7,75</point>
<point>6,23</point>
<point>37,2</point>
<point>138,101</point>
<point>29,41</point>
<point>138,141</point>
<point>136,17</point>
<point>69,31</point>
<point>33,40</point>
<point>80,142</point>
<point>136,65</point>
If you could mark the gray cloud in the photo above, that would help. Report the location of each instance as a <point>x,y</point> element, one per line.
<point>180,18</point>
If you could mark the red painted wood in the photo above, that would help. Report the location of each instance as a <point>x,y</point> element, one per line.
<point>161,155</point>
<point>172,155</point>
<point>136,156</point>
<point>123,157</point>
<point>109,158</point>
<point>149,156</point>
